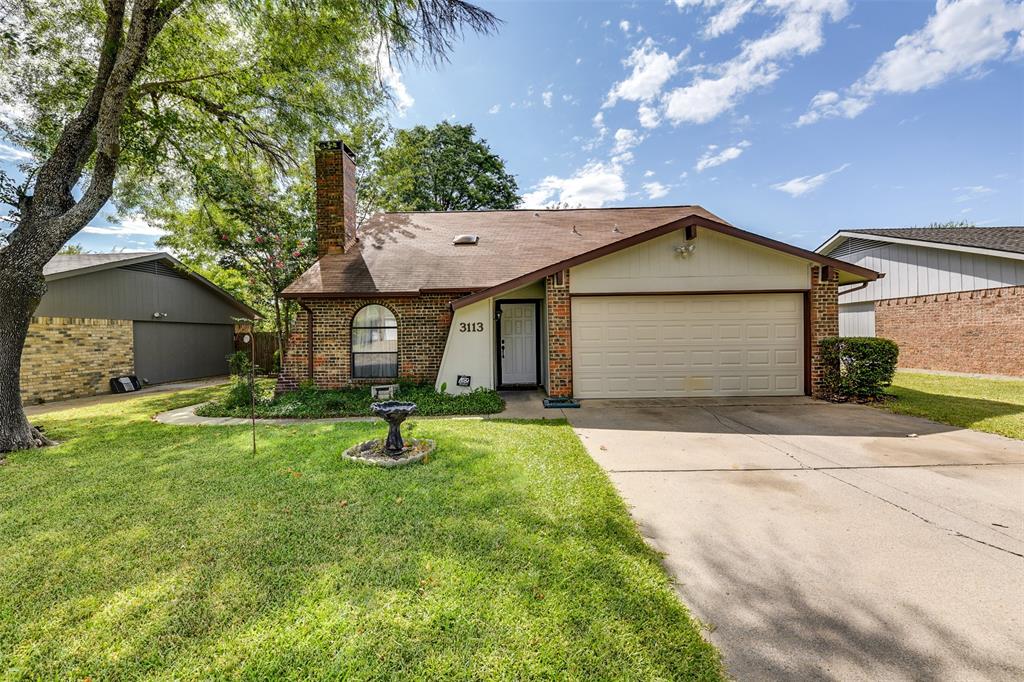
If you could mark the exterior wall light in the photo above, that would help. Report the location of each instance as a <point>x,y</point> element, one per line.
<point>685,250</point>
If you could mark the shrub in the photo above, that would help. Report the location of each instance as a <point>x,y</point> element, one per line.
<point>276,362</point>
<point>239,394</point>
<point>858,368</point>
<point>239,363</point>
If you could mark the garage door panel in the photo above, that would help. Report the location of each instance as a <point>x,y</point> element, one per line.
<point>175,351</point>
<point>667,346</point>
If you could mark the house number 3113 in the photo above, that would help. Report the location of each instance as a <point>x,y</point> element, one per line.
<point>471,326</point>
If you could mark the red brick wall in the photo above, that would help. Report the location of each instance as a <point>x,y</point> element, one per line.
<point>423,324</point>
<point>335,198</point>
<point>967,331</point>
<point>823,321</point>
<point>559,314</point>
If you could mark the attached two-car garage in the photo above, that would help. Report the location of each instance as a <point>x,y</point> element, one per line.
<point>683,345</point>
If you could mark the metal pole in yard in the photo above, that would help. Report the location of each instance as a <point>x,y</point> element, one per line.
<point>251,340</point>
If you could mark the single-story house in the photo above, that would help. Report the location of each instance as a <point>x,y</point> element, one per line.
<point>592,303</point>
<point>952,297</point>
<point>114,314</point>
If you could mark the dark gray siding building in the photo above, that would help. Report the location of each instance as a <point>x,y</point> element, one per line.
<point>110,314</point>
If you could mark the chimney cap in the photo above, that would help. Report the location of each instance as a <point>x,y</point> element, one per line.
<point>334,145</point>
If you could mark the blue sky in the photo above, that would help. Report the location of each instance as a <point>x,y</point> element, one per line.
<point>791,118</point>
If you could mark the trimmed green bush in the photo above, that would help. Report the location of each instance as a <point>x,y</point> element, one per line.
<point>311,402</point>
<point>858,367</point>
<point>239,363</point>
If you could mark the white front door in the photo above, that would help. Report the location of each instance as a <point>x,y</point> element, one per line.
<point>517,349</point>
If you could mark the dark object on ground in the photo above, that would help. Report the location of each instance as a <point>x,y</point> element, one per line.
<point>858,368</point>
<point>394,412</point>
<point>561,402</point>
<point>125,384</point>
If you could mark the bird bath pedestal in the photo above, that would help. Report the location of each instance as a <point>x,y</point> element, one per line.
<point>392,451</point>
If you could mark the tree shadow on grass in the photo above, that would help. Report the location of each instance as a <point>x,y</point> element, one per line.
<point>146,549</point>
<point>957,410</point>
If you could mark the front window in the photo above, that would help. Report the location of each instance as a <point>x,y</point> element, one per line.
<point>374,343</point>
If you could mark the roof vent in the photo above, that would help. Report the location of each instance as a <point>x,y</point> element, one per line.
<point>465,239</point>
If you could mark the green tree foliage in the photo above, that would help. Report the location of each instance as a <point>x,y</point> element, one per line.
<point>248,225</point>
<point>444,168</point>
<point>130,99</point>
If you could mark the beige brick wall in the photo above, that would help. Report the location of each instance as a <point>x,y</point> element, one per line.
<point>71,357</point>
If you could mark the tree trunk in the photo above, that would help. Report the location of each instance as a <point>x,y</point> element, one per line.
<point>20,293</point>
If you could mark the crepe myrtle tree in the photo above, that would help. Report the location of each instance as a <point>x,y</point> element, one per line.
<point>118,99</point>
<point>249,224</point>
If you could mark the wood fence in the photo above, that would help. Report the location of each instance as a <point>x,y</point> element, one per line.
<point>265,343</point>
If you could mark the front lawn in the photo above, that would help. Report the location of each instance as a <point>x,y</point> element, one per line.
<point>314,403</point>
<point>137,549</point>
<point>993,405</point>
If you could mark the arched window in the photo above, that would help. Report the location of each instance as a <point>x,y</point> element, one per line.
<point>374,343</point>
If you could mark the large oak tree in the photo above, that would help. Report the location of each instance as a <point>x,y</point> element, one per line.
<point>119,99</point>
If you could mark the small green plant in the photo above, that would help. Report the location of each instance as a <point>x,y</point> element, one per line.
<point>239,363</point>
<point>239,395</point>
<point>276,362</point>
<point>858,368</point>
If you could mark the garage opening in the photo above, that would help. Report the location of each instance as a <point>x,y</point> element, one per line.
<point>688,345</point>
<point>177,351</point>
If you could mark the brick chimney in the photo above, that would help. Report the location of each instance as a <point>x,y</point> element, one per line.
<point>335,198</point>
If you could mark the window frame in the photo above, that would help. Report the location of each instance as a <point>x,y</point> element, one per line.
<point>351,343</point>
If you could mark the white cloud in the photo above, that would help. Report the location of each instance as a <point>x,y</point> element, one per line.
<point>649,174</point>
<point>713,157</point>
<point>971,192</point>
<point>579,60</point>
<point>546,98</point>
<point>624,26</point>
<point>494,109</point>
<point>652,68</point>
<point>807,183</point>
<point>728,18</point>
<point>606,23</point>
<point>719,87</point>
<point>655,190</point>
<point>958,39</point>
<point>593,185</point>
<point>9,153</point>
<point>649,117</point>
<point>133,224</point>
<point>626,139</point>
<point>392,80</point>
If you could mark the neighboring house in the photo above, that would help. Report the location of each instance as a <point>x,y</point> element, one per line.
<point>112,314</point>
<point>595,303</point>
<point>952,297</point>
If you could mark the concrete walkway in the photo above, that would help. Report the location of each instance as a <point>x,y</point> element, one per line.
<point>828,542</point>
<point>75,403</point>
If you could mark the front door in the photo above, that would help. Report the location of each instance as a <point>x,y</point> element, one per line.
<point>517,344</point>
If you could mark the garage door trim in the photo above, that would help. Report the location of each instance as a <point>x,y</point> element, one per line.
<point>806,312</point>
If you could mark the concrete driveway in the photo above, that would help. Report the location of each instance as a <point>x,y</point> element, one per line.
<point>822,541</point>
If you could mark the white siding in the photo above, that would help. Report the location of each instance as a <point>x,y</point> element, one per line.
<point>718,263</point>
<point>857,319</point>
<point>919,270</point>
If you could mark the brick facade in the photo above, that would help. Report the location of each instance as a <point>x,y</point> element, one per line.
<point>822,321</point>
<point>968,331</point>
<point>559,325</point>
<point>73,357</point>
<point>423,324</point>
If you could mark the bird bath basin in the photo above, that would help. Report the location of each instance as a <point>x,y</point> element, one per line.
<point>392,451</point>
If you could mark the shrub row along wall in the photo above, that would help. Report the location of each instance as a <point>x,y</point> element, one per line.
<point>423,324</point>
<point>969,331</point>
<point>72,357</point>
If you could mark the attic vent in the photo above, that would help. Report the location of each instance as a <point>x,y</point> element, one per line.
<point>853,245</point>
<point>154,267</point>
<point>465,239</point>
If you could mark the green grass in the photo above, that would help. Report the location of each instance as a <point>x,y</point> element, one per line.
<point>137,549</point>
<point>312,403</point>
<point>992,405</point>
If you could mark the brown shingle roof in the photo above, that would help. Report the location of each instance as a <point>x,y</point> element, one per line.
<point>997,238</point>
<point>411,253</point>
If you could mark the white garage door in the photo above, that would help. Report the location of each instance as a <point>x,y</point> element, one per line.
<point>669,346</point>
